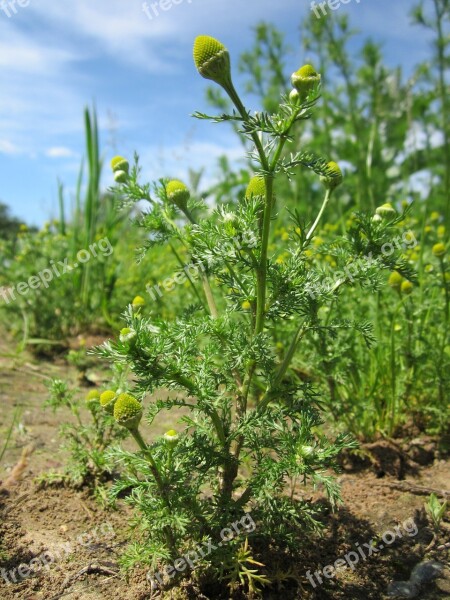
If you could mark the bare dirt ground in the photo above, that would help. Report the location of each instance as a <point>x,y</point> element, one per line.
<point>75,543</point>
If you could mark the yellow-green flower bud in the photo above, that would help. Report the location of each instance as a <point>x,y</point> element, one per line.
<point>93,399</point>
<point>212,59</point>
<point>178,193</point>
<point>406,287</point>
<point>127,334</point>
<point>395,280</point>
<point>305,80</point>
<point>119,163</point>
<point>305,451</point>
<point>385,210</point>
<point>128,411</point>
<point>138,302</point>
<point>333,177</point>
<point>256,187</point>
<point>107,400</point>
<point>377,218</point>
<point>439,250</point>
<point>120,176</point>
<point>171,438</point>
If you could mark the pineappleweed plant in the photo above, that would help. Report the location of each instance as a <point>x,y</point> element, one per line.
<point>251,426</point>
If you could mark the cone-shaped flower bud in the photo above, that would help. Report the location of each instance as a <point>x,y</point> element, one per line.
<point>385,210</point>
<point>171,438</point>
<point>127,334</point>
<point>333,177</point>
<point>107,400</point>
<point>395,280</point>
<point>119,163</point>
<point>178,193</point>
<point>212,59</point>
<point>128,411</point>
<point>305,80</point>
<point>138,302</point>
<point>256,187</point>
<point>439,250</point>
<point>406,287</point>
<point>93,399</point>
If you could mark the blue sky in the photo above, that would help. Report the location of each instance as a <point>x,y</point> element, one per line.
<point>56,56</point>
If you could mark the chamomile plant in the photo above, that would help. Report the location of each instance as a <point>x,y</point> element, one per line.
<point>86,437</point>
<point>250,426</point>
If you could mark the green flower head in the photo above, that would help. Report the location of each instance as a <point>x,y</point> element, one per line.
<point>127,334</point>
<point>178,193</point>
<point>385,210</point>
<point>406,287</point>
<point>171,438</point>
<point>138,301</point>
<point>256,187</point>
<point>439,250</point>
<point>93,399</point>
<point>395,280</point>
<point>128,411</point>
<point>212,59</point>
<point>119,163</point>
<point>107,400</point>
<point>305,80</point>
<point>333,176</point>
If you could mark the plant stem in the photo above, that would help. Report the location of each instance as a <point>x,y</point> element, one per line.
<point>319,216</point>
<point>160,483</point>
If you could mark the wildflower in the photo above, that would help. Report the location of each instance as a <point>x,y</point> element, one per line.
<point>107,400</point>
<point>120,167</point>
<point>127,334</point>
<point>138,302</point>
<point>178,193</point>
<point>118,163</point>
<point>439,250</point>
<point>171,438</point>
<point>435,216</point>
<point>93,400</point>
<point>333,176</point>
<point>385,210</point>
<point>377,218</point>
<point>406,287</point>
<point>256,187</point>
<point>428,229</point>
<point>305,80</point>
<point>128,411</point>
<point>441,231</point>
<point>395,280</point>
<point>212,59</point>
<point>246,305</point>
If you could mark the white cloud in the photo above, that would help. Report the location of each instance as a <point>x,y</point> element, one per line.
<point>59,152</point>
<point>7,147</point>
